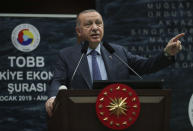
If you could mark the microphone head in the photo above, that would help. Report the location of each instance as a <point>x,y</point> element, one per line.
<point>85,47</point>
<point>108,47</point>
<point>62,87</point>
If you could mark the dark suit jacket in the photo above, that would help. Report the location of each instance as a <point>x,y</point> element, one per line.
<point>69,57</point>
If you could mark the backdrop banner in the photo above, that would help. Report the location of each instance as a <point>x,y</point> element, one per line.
<point>28,50</point>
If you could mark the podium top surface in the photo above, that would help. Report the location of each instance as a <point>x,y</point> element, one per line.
<point>135,84</point>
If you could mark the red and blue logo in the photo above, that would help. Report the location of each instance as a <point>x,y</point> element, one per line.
<point>25,37</point>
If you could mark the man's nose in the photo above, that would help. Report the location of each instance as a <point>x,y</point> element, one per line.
<point>94,27</point>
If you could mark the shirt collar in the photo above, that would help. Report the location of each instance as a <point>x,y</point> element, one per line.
<point>97,49</point>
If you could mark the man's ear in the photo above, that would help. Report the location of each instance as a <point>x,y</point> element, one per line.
<point>78,31</point>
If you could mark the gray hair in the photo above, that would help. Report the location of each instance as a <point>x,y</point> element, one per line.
<point>83,12</point>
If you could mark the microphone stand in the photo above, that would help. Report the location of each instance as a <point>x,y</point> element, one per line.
<point>83,50</point>
<point>112,51</point>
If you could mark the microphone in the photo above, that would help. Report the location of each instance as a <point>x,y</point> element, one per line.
<point>112,51</point>
<point>83,51</point>
<point>85,47</point>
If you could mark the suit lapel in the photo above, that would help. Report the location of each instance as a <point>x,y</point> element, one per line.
<point>83,67</point>
<point>109,63</point>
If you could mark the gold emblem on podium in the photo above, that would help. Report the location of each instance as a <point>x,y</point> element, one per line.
<point>117,106</point>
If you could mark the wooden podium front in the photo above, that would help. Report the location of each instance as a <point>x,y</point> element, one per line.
<point>75,110</point>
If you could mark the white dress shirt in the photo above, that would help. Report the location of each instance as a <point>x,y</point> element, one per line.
<point>99,61</point>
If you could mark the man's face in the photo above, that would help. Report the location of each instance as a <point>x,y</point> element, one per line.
<point>91,27</point>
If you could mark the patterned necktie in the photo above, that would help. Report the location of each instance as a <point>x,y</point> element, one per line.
<point>95,68</point>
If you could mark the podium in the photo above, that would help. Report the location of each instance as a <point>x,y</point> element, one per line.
<point>75,110</point>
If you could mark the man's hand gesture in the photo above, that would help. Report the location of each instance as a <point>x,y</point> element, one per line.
<point>174,45</point>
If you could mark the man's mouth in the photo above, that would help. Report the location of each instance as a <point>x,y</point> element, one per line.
<point>95,35</point>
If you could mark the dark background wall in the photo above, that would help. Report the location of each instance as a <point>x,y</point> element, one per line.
<point>46,6</point>
<point>142,26</point>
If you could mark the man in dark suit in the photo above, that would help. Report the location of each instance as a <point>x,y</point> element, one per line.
<point>98,63</point>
